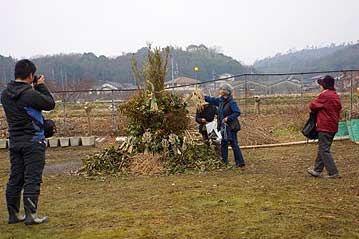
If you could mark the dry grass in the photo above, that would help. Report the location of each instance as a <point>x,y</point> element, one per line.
<point>147,164</point>
<point>272,198</point>
<point>283,109</point>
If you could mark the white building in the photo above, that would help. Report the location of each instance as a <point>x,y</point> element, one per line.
<point>182,81</point>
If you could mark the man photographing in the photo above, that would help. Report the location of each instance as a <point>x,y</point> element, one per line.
<point>23,100</point>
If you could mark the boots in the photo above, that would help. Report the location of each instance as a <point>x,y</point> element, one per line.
<point>13,205</point>
<point>31,217</point>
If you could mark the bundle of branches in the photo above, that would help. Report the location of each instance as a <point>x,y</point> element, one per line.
<point>157,121</point>
<point>113,161</point>
<point>147,164</point>
<point>153,114</point>
<point>198,158</point>
<point>109,161</point>
<point>152,75</point>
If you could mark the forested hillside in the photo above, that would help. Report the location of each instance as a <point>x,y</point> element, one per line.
<point>345,56</point>
<point>73,71</point>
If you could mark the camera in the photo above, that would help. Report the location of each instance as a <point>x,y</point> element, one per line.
<point>36,78</point>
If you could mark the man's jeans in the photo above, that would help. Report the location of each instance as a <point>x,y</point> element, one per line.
<point>238,157</point>
<point>324,157</point>
<point>27,163</point>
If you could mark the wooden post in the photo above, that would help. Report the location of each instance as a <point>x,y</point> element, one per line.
<point>351,94</point>
<point>302,90</point>
<point>64,112</point>
<point>257,101</point>
<point>88,109</point>
<point>113,111</point>
<point>245,94</point>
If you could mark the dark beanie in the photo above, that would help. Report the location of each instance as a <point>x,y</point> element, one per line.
<point>327,82</point>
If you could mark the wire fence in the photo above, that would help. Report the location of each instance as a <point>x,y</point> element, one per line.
<point>274,95</point>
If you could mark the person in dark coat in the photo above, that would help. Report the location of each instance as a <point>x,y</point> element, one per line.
<point>204,115</point>
<point>228,124</point>
<point>23,101</point>
<point>327,106</point>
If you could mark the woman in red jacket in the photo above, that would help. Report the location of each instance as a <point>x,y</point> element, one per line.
<point>328,107</point>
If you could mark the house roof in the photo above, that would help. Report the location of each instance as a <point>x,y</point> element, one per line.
<point>317,77</point>
<point>182,81</point>
<point>116,85</point>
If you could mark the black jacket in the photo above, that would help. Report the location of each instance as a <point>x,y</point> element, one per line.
<point>208,112</point>
<point>230,110</point>
<point>23,105</point>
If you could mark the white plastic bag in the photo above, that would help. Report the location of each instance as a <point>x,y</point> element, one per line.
<point>212,128</point>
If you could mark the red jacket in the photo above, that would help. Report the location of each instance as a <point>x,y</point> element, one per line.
<point>328,107</point>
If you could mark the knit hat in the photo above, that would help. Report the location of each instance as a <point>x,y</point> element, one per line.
<point>226,88</point>
<point>327,82</point>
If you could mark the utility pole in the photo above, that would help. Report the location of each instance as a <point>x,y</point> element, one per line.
<point>214,78</point>
<point>177,71</point>
<point>66,87</point>
<point>302,90</point>
<point>62,78</point>
<point>245,94</point>
<point>53,74</point>
<point>172,70</point>
<point>196,70</point>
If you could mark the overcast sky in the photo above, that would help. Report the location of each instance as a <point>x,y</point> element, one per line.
<point>245,29</point>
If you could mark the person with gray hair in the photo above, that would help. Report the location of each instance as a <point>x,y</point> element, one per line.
<point>228,124</point>
<point>226,88</point>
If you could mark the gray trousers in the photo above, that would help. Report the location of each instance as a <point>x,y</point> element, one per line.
<point>324,157</point>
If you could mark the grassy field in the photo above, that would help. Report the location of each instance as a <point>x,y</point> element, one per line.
<point>272,198</point>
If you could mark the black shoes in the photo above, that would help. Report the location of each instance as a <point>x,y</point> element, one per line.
<point>240,165</point>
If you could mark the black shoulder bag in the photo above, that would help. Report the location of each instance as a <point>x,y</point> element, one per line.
<point>309,129</point>
<point>49,127</point>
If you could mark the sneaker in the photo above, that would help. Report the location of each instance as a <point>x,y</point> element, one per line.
<point>333,176</point>
<point>313,173</point>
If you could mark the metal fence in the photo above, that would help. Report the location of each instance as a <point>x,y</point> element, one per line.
<point>256,94</point>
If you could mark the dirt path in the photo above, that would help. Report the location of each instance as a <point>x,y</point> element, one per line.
<point>59,161</point>
<point>62,168</point>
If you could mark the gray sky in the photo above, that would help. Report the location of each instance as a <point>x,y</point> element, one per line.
<point>245,29</point>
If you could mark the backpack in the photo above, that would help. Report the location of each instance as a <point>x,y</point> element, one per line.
<point>309,129</point>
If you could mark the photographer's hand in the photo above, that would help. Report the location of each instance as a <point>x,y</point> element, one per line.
<point>41,98</point>
<point>41,80</point>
